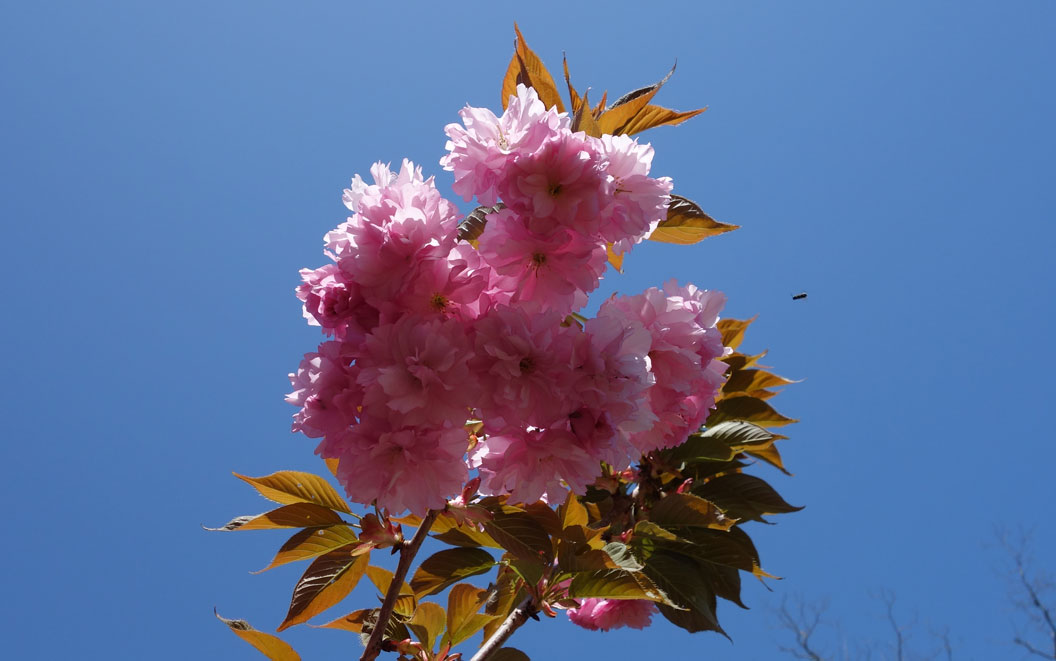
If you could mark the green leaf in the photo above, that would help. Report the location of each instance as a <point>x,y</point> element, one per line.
<point>289,487</point>
<point>326,581</point>
<point>686,224</point>
<point>682,579</point>
<point>427,624</point>
<point>382,579</point>
<point>684,511</point>
<point>615,584</point>
<point>722,442</point>
<point>448,529</point>
<point>298,515</point>
<point>771,456</point>
<point>732,548</point>
<point>744,497</point>
<point>698,448</point>
<point>750,380</point>
<point>529,569</point>
<point>739,361</point>
<point>739,434</point>
<point>691,620</point>
<point>546,517</point>
<point>574,557</point>
<point>572,512</point>
<point>448,567</point>
<point>743,407</point>
<point>467,536</point>
<point>622,556</point>
<point>363,621</point>
<point>270,646</point>
<point>405,605</point>
<point>353,621</point>
<point>520,534</point>
<point>311,543</point>
<point>463,619</point>
<point>726,581</point>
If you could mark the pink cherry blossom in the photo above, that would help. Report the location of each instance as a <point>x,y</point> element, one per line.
<point>606,614</point>
<point>543,272</point>
<point>420,369</point>
<point>480,152</point>
<point>449,286</point>
<point>613,373</point>
<point>560,184</point>
<point>524,364</point>
<point>400,221</point>
<point>384,178</point>
<point>683,355</point>
<point>334,301</point>
<point>401,467</point>
<point>326,390</point>
<point>638,202</point>
<point>530,464</point>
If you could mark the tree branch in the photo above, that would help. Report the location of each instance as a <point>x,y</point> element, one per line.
<point>407,553</point>
<point>1036,602</point>
<point>889,602</point>
<point>802,625</point>
<point>513,622</point>
<point>1030,648</point>
<point>1033,584</point>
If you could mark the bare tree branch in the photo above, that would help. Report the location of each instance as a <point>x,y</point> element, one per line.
<point>802,621</point>
<point>1030,597</point>
<point>947,645</point>
<point>888,598</point>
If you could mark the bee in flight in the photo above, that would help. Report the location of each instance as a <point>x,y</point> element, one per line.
<point>801,295</point>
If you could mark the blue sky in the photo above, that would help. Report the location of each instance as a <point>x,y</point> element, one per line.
<point>167,168</point>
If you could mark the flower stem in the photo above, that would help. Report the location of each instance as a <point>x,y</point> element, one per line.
<point>407,553</point>
<point>513,622</point>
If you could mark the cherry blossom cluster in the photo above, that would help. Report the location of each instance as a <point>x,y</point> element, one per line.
<point>427,332</point>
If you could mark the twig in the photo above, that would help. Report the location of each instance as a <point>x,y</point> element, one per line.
<point>1030,648</point>
<point>889,602</point>
<point>513,621</point>
<point>1034,584</point>
<point>802,626</point>
<point>407,553</point>
<point>1036,602</point>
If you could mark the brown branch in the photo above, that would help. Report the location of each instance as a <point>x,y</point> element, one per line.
<point>407,553</point>
<point>1030,648</point>
<point>802,625</point>
<point>1036,602</point>
<point>1033,584</point>
<point>513,622</point>
<point>900,641</point>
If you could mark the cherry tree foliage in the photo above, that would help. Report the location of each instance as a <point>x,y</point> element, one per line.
<point>595,466</point>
